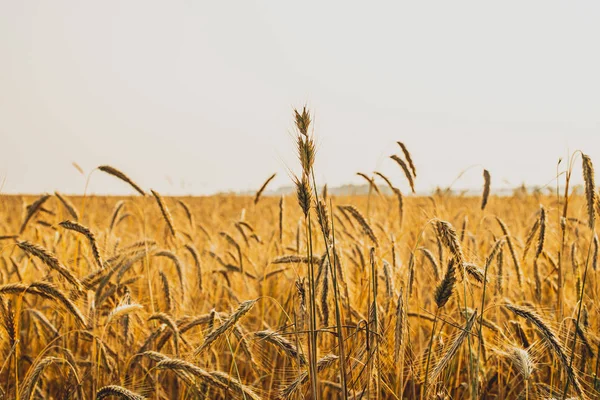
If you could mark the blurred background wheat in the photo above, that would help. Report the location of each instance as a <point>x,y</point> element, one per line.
<point>380,296</point>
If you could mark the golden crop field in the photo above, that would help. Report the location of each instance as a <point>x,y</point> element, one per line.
<point>302,297</point>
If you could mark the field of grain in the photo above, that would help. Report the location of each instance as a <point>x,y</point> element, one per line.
<point>302,297</point>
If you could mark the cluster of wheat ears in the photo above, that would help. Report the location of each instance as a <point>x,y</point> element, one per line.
<point>311,296</point>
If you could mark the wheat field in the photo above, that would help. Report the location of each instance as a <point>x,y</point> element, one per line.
<point>385,296</point>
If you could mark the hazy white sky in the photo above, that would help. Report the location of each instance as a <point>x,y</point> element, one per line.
<point>197,96</point>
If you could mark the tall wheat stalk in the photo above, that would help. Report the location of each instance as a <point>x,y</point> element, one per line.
<point>590,190</point>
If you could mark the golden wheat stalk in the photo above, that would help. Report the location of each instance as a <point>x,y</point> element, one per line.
<point>34,374</point>
<point>551,340</point>
<point>434,264</point>
<point>486,188</point>
<point>454,347</point>
<point>542,233</point>
<point>188,212</point>
<point>590,189</point>
<point>178,266</point>
<point>115,215</point>
<point>32,210</point>
<point>370,181</point>
<point>399,327</point>
<point>295,259</point>
<point>166,291</point>
<point>447,235</point>
<point>595,253</point>
<point>408,158</point>
<point>242,310</point>
<point>304,193</point>
<point>7,315</point>
<point>68,206</point>
<point>282,343</point>
<point>169,322</point>
<point>50,260</point>
<point>511,248</point>
<point>76,227</point>
<point>396,192</point>
<point>323,219</point>
<point>263,187</point>
<point>302,120</point>
<point>165,212</point>
<point>235,385</point>
<point>323,363</point>
<point>367,230</point>
<point>522,360</point>
<point>122,310</point>
<point>474,272</point>
<point>530,237</point>
<point>197,263</point>
<point>195,371</point>
<point>120,175</point>
<point>402,165</point>
<point>117,391</point>
<point>45,290</point>
<point>445,288</point>
<point>520,334</point>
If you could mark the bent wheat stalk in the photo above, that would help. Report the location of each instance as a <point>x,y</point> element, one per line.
<point>117,391</point>
<point>76,227</point>
<point>263,187</point>
<point>120,175</point>
<point>50,260</point>
<point>226,325</point>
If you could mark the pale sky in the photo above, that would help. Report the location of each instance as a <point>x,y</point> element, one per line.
<point>194,97</point>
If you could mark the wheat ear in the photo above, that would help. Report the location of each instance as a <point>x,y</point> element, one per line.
<point>117,391</point>
<point>76,227</point>
<point>120,175</point>
<point>263,187</point>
